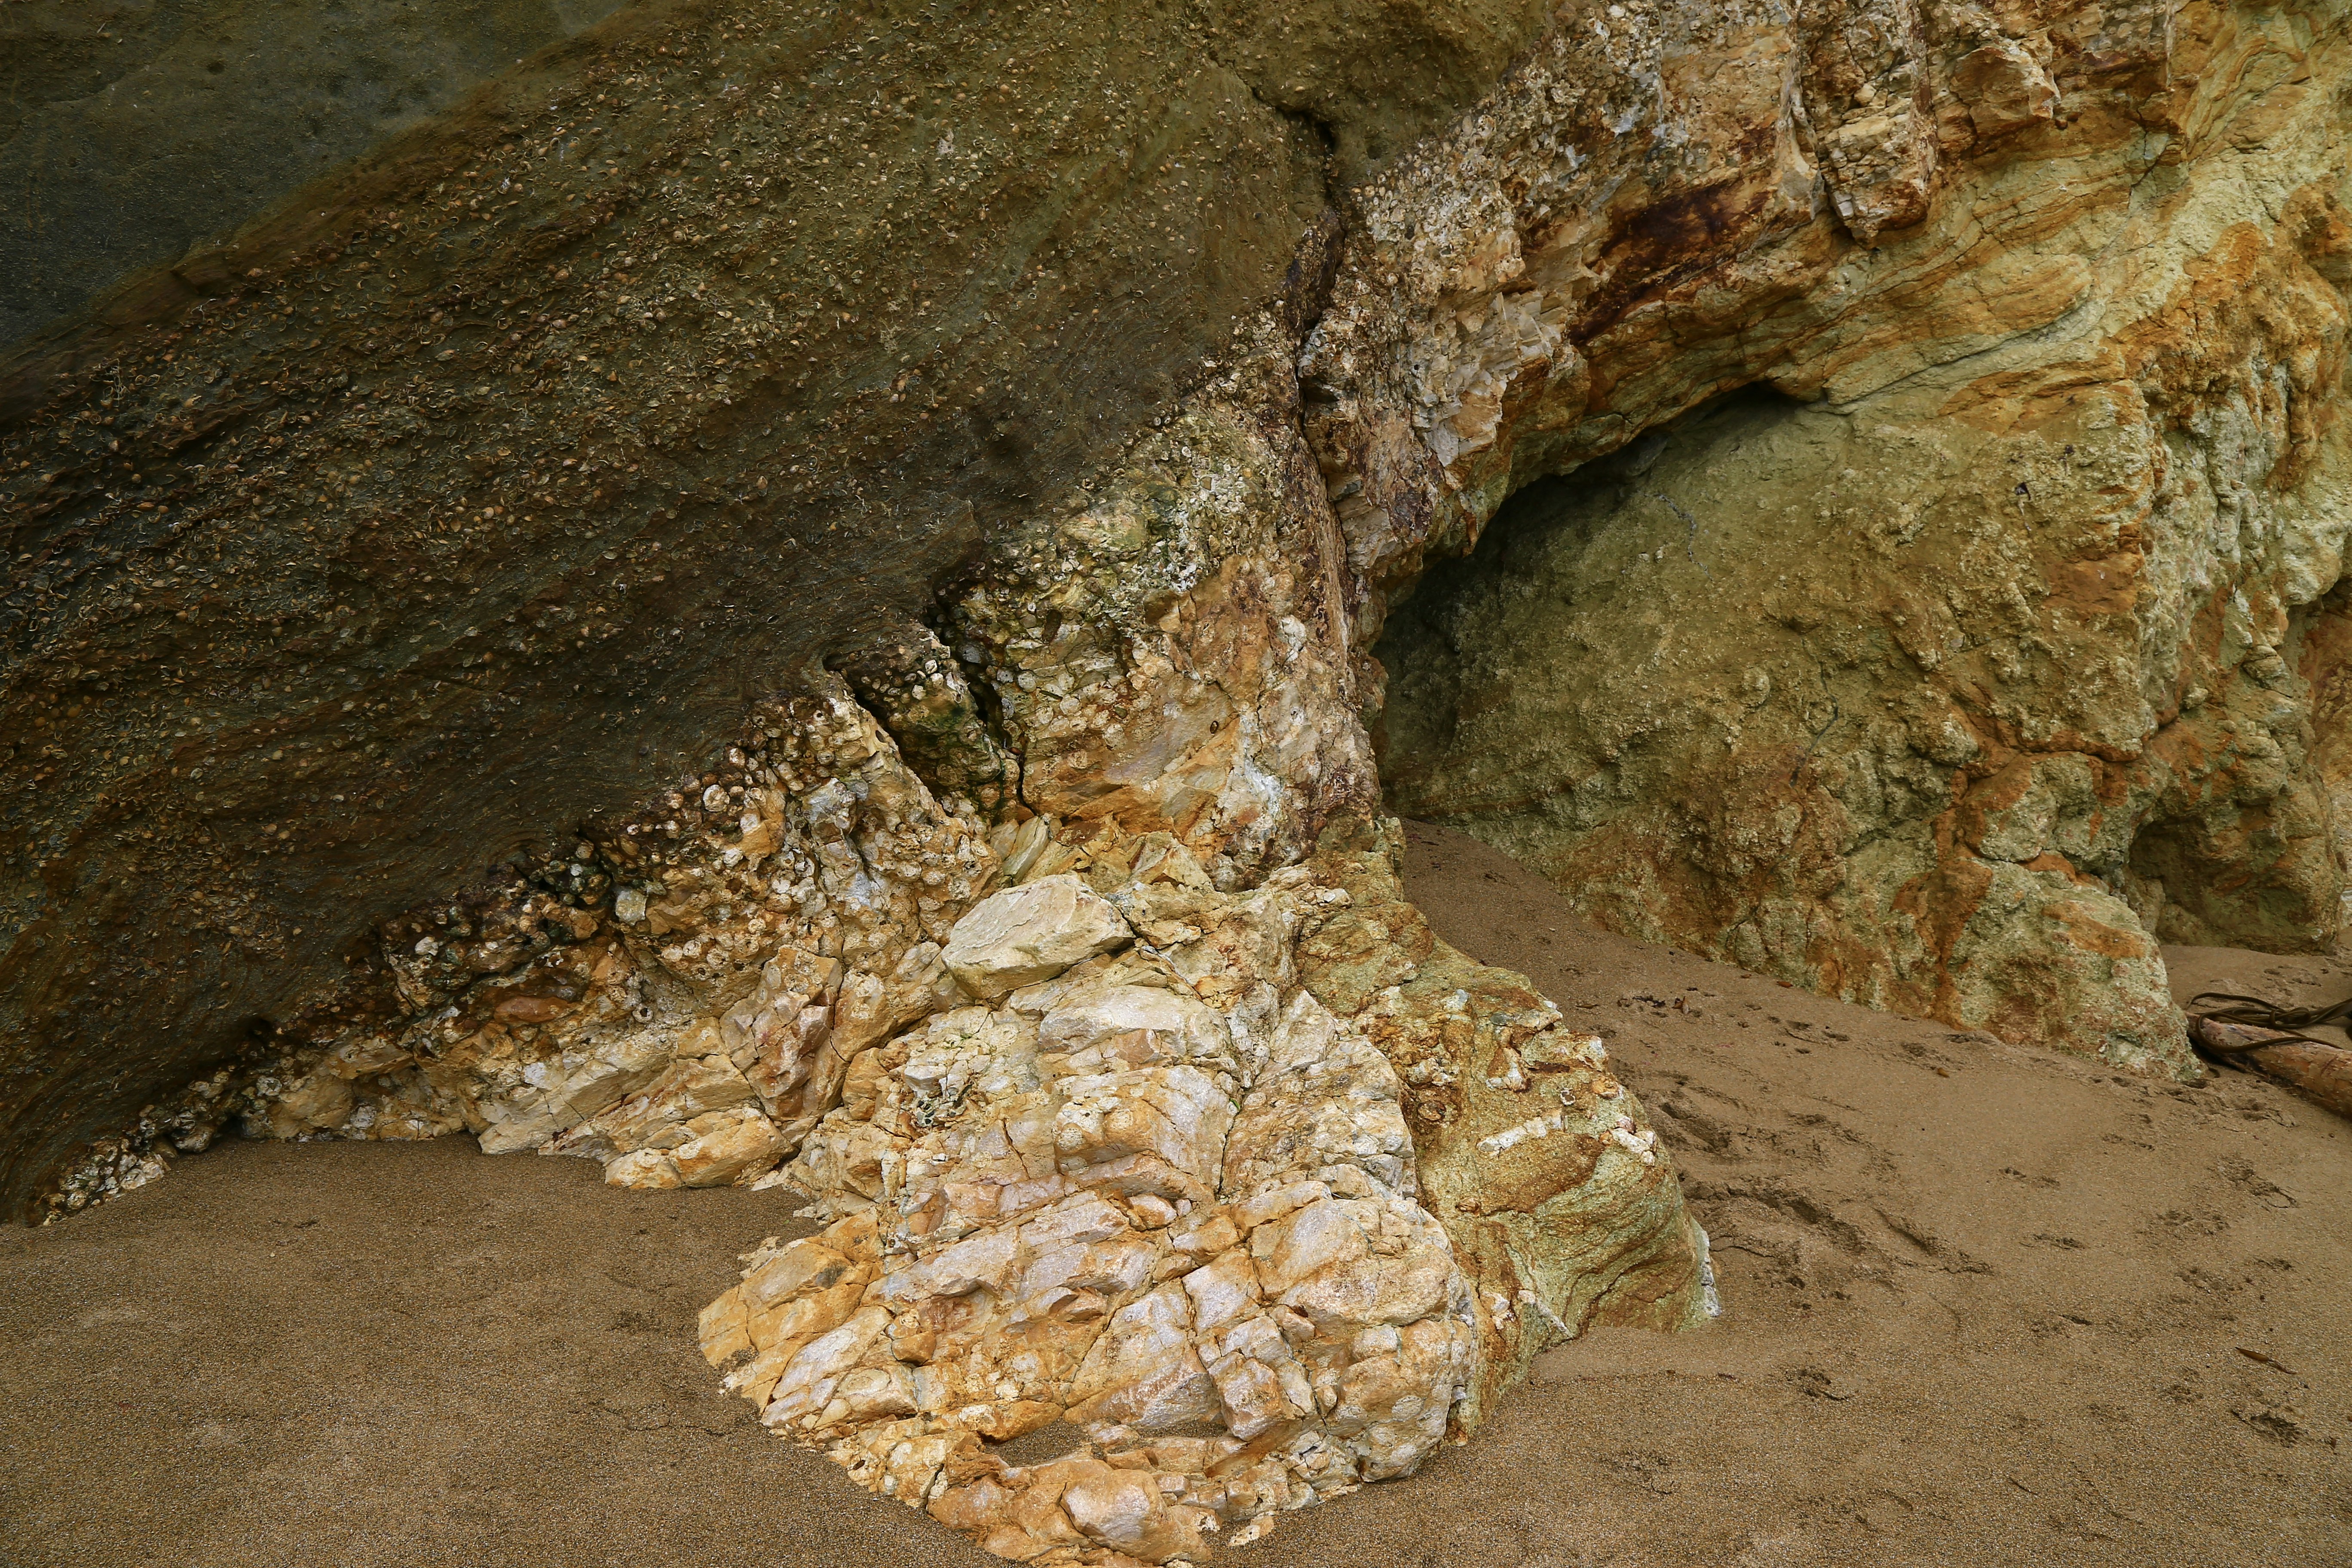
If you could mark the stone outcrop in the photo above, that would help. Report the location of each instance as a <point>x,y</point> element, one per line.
<point>1020,938</point>
<point>1981,658</point>
<point>1276,1190</point>
<point>1165,1203</point>
<point>1247,1198</point>
<point>1939,606</point>
<point>694,1031</point>
<point>477,487</point>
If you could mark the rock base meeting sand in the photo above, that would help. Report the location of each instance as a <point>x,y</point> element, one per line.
<point>1983,1304</point>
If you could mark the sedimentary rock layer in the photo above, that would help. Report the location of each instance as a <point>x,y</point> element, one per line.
<point>1980,657</point>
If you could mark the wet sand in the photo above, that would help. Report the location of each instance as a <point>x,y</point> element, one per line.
<point>1984,1305</point>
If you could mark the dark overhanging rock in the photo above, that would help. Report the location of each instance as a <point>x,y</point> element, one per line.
<point>128,136</point>
<point>367,544</point>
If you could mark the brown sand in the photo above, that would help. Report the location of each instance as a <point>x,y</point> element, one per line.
<point>2303,980</point>
<point>1984,1305</point>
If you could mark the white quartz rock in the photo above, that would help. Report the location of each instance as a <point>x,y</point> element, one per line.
<point>1135,1026</point>
<point>1029,933</point>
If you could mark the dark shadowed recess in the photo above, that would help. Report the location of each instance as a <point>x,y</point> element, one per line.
<point>1427,646</point>
<point>479,486</point>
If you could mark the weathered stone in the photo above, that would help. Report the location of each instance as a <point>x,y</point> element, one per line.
<point>1053,948</point>
<point>622,1042</point>
<point>1561,1203</point>
<point>478,484</point>
<point>1030,933</point>
<point>1193,1232</point>
<point>1137,1025</point>
<point>656,1116</point>
<point>726,1144</point>
<point>1955,676</point>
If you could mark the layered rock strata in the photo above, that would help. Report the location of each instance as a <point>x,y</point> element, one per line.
<point>1981,659</point>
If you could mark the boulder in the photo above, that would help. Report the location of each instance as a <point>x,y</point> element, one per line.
<point>1196,1233</point>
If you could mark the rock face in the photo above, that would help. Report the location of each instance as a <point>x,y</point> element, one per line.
<point>693,1035</point>
<point>1234,1200</point>
<point>478,487</point>
<point>1276,1190</point>
<point>132,132</point>
<point>1020,938</point>
<point>1980,657</point>
<point>1030,532</point>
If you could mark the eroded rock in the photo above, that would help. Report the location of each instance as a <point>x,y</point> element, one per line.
<point>1964,669</point>
<point>693,1035</point>
<point>1050,946</point>
<point>1030,933</point>
<point>1193,1232</point>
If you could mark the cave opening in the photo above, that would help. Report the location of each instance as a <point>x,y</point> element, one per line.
<point>1560,690</point>
<point>1864,698</point>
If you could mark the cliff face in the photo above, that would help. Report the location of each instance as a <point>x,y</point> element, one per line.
<point>1983,657</point>
<point>874,529</point>
<point>480,488</point>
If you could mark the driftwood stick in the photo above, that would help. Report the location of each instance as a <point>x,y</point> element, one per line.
<point>2323,1072</point>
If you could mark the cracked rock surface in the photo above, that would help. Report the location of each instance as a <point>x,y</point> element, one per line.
<point>588,641</point>
<point>1160,1211</point>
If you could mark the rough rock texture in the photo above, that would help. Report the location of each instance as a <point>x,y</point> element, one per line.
<point>1233,1083</point>
<point>1251,1197</point>
<point>1039,924</point>
<point>1983,657</point>
<point>481,486</point>
<point>1159,1211</point>
<point>1146,1144</point>
<point>131,132</point>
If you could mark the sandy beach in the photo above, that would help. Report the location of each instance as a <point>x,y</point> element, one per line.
<point>1983,1304</point>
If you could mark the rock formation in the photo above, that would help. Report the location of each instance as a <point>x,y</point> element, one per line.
<point>1164,1204</point>
<point>1982,657</point>
<point>478,487</point>
<point>1014,434</point>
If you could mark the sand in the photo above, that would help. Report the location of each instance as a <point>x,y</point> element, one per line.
<point>1984,1304</point>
